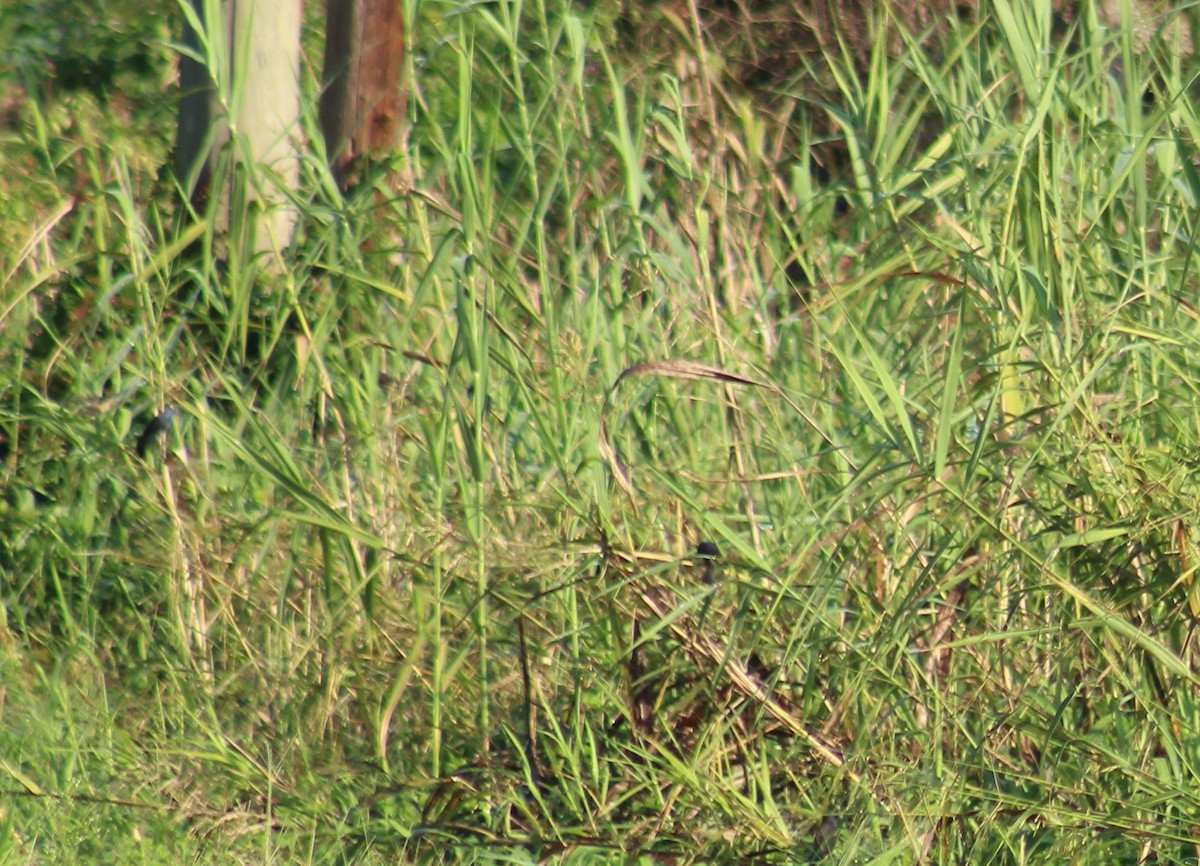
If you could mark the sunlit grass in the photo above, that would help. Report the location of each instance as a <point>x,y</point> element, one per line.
<point>413,571</point>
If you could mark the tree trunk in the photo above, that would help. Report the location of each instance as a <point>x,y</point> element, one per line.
<point>249,83</point>
<point>362,106</point>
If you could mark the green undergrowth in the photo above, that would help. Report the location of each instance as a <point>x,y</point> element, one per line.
<point>413,571</point>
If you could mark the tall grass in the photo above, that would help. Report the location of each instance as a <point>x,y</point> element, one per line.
<point>413,574</point>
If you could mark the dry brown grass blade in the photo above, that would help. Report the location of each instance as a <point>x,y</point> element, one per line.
<point>671,368</point>
<point>674,368</point>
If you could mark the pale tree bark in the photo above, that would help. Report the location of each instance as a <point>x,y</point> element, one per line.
<point>363,102</point>
<point>249,85</point>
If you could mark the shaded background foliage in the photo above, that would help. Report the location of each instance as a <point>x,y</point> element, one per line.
<point>112,49</point>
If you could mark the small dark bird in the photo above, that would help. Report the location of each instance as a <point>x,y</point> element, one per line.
<point>708,552</point>
<point>157,426</point>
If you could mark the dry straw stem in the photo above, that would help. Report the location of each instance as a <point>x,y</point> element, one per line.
<point>710,652</point>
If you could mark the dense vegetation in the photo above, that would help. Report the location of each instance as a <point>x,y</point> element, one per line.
<point>636,469</point>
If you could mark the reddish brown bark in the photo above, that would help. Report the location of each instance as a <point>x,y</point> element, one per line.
<point>362,106</point>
